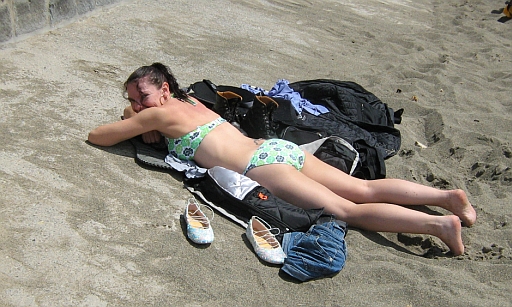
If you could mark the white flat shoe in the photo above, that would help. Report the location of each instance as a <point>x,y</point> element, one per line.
<point>264,241</point>
<point>199,229</point>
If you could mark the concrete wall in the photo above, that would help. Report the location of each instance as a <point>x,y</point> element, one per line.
<point>18,17</point>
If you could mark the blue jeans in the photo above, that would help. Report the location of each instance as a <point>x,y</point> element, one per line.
<point>319,252</point>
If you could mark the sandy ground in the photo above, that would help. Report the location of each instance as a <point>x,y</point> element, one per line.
<point>87,226</point>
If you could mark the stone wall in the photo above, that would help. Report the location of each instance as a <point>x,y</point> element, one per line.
<point>18,17</point>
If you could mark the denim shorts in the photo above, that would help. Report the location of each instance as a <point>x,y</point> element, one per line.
<point>319,252</point>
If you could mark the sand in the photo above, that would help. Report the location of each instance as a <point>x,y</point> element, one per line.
<point>86,226</point>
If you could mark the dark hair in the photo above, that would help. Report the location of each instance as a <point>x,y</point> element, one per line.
<point>157,74</point>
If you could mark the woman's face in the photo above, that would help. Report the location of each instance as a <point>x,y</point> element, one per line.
<point>142,94</point>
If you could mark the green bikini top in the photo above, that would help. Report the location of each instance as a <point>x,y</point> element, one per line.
<point>185,147</point>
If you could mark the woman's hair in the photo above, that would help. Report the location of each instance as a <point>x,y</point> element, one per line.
<point>157,74</point>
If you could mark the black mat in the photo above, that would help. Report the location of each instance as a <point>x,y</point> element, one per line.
<point>150,154</point>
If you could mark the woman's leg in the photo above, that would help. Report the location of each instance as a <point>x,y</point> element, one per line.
<point>394,191</point>
<point>294,187</point>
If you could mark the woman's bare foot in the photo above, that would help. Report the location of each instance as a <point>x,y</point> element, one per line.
<point>450,233</point>
<point>461,207</point>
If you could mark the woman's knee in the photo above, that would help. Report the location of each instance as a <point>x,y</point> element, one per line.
<point>342,209</point>
<point>354,190</point>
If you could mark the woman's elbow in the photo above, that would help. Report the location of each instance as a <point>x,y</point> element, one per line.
<point>96,139</point>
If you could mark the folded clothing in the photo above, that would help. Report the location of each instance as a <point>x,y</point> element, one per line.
<point>319,252</point>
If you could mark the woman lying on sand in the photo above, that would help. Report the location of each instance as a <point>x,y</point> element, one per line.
<point>159,107</point>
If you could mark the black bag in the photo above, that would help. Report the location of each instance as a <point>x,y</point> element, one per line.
<point>372,165</point>
<point>242,198</point>
<point>301,136</point>
<point>338,155</point>
<point>336,152</point>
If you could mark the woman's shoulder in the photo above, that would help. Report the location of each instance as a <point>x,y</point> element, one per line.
<point>166,115</point>
<point>149,115</point>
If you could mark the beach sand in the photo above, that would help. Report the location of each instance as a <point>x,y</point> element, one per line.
<point>82,225</point>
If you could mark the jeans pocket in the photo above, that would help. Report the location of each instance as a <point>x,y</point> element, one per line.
<point>319,257</point>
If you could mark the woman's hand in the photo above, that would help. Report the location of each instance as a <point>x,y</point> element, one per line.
<point>151,137</point>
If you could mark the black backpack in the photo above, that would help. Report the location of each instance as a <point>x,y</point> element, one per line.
<point>239,198</point>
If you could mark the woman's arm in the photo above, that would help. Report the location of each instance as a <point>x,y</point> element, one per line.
<point>128,112</point>
<point>148,137</point>
<point>138,123</point>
